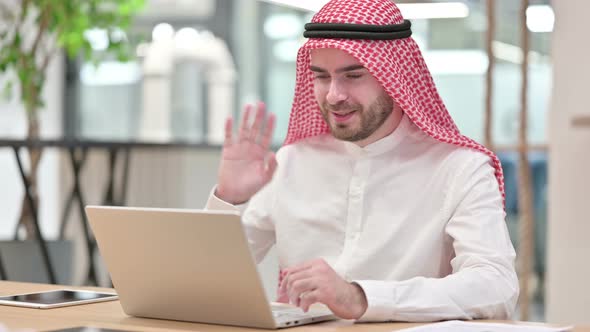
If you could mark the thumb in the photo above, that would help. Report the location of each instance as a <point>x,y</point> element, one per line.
<point>271,165</point>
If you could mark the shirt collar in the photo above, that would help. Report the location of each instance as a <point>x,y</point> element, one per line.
<point>383,145</point>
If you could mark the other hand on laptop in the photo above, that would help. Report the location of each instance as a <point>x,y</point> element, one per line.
<point>315,281</point>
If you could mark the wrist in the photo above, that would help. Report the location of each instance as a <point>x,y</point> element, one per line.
<point>222,195</point>
<point>225,196</point>
<point>359,300</point>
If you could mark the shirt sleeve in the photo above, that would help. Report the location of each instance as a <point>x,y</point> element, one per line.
<point>483,282</point>
<point>216,203</point>
<point>256,218</point>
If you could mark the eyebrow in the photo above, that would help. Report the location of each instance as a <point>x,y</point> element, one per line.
<point>339,70</point>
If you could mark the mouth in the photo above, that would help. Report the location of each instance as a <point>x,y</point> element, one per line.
<point>343,117</point>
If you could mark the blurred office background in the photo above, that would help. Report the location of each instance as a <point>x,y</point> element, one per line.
<point>196,61</point>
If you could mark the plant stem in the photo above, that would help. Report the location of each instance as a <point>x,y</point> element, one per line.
<point>41,31</point>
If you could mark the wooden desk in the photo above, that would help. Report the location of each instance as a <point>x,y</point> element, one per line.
<point>111,315</point>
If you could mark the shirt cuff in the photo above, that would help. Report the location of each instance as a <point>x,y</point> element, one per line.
<point>216,203</point>
<point>379,303</point>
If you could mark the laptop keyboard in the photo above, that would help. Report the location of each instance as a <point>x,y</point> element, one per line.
<point>289,313</point>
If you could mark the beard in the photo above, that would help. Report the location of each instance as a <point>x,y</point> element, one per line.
<point>370,119</point>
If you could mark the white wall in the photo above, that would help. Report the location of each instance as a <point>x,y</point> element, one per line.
<point>568,270</point>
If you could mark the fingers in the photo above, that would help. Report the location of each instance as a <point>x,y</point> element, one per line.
<point>255,131</point>
<point>288,272</point>
<point>299,284</point>
<point>308,298</point>
<point>269,129</point>
<point>283,297</point>
<point>228,131</point>
<point>305,290</point>
<point>244,132</point>
<point>305,283</point>
<point>287,276</point>
<point>303,266</point>
<point>316,282</point>
<point>290,279</point>
<point>258,120</point>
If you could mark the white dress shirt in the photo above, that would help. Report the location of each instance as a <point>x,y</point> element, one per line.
<point>418,224</point>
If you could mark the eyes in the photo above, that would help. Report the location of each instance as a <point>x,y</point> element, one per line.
<point>353,75</point>
<point>348,76</point>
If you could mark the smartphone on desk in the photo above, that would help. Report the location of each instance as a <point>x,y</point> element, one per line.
<point>56,298</point>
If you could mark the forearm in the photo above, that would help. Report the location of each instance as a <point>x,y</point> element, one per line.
<point>477,292</point>
<point>257,225</point>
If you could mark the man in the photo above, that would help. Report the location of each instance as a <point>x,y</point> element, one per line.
<point>378,207</point>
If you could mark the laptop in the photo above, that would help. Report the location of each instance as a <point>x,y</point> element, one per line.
<point>188,265</point>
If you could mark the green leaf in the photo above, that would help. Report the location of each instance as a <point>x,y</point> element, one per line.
<point>87,50</point>
<point>125,8</point>
<point>67,20</point>
<point>13,54</point>
<point>7,90</point>
<point>16,41</point>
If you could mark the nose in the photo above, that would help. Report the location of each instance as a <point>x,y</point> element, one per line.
<point>336,93</point>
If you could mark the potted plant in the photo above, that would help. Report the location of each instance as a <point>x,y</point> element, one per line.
<point>32,32</point>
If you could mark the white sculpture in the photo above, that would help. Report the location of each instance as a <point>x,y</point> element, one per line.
<point>214,56</point>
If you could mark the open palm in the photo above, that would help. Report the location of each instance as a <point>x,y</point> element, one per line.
<point>247,164</point>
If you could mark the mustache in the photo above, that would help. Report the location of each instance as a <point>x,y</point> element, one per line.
<point>348,107</point>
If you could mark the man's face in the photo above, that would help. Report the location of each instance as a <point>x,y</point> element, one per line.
<point>353,103</point>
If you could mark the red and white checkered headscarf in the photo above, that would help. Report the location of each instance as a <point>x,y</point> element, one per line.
<point>397,64</point>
